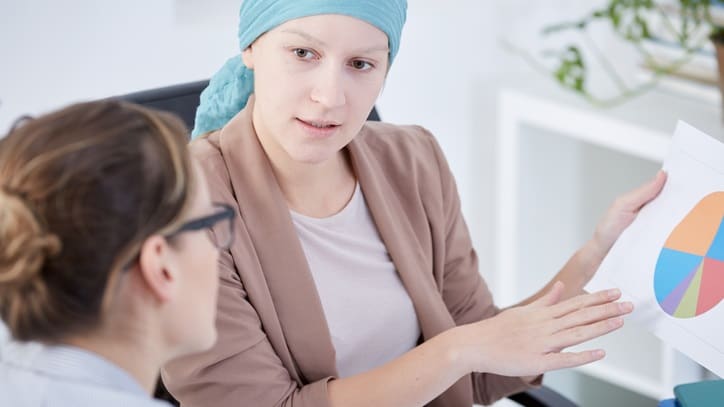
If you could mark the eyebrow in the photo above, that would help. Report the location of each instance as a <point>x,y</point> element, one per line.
<point>323,44</point>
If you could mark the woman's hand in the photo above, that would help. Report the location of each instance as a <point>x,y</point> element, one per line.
<point>529,340</point>
<point>619,216</point>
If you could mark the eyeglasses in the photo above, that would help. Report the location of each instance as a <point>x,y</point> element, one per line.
<point>223,236</point>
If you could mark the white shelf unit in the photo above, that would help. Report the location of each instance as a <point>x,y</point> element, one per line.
<point>559,165</point>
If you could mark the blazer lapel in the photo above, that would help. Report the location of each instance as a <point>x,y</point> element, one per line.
<point>399,237</point>
<point>285,268</point>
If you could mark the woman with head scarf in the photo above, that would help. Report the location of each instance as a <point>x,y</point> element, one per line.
<point>353,280</point>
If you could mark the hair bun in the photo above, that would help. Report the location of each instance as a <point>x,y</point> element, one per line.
<point>26,245</point>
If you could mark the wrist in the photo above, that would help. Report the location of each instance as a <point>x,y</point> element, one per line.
<point>454,352</point>
<point>590,257</point>
<point>579,270</point>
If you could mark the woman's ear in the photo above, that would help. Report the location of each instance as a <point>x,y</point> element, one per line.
<point>247,56</point>
<point>156,268</point>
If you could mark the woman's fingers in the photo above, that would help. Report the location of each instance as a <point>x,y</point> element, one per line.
<point>564,360</point>
<point>582,333</point>
<point>529,340</point>
<point>584,301</point>
<point>593,314</point>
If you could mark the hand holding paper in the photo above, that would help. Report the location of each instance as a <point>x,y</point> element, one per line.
<point>622,212</point>
<point>670,261</point>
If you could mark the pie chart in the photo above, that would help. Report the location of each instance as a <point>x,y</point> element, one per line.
<point>689,276</point>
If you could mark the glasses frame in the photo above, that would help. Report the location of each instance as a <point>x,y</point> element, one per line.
<point>225,212</point>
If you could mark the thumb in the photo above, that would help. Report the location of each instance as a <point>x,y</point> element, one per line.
<point>642,195</point>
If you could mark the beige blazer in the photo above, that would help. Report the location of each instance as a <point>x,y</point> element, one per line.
<point>274,346</point>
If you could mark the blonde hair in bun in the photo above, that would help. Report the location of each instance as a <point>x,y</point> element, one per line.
<point>80,190</point>
<point>27,244</point>
<point>25,248</point>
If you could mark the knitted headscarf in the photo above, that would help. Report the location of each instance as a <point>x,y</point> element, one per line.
<point>231,86</point>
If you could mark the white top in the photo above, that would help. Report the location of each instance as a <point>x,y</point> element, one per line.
<point>33,375</point>
<point>370,315</point>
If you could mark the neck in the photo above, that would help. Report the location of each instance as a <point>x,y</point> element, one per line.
<point>138,357</point>
<point>317,190</point>
<point>314,189</point>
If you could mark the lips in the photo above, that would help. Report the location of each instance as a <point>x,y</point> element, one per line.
<point>319,128</point>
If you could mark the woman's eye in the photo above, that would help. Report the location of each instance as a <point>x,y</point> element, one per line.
<point>303,53</point>
<point>361,65</point>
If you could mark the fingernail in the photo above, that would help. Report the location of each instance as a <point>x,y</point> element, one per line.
<point>625,307</point>
<point>598,353</point>
<point>614,293</point>
<point>615,322</point>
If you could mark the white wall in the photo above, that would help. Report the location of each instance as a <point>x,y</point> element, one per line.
<point>56,52</point>
<point>445,77</point>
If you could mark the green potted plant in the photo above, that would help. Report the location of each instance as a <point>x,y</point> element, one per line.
<point>687,25</point>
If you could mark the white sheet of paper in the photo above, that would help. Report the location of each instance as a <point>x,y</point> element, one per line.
<point>670,261</point>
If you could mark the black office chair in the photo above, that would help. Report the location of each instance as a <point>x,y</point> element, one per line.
<point>182,100</point>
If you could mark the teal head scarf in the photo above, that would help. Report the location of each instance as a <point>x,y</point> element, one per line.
<point>230,88</point>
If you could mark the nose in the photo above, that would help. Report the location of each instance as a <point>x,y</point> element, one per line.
<point>328,89</point>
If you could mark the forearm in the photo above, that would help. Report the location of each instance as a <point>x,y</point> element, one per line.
<point>581,267</point>
<point>575,274</point>
<point>413,379</point>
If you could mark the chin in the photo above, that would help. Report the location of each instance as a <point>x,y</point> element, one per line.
<point>313,157</point>
<point>210,341</point>
<point>316,153</point>
<point>205,342</point>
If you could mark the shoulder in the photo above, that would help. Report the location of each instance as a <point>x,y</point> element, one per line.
<point>206,148</point>
<point>397,139</point>
<point>206,151</point>
<point>19,373</point>
<point>73,393</point>
<point>15,382</point>
<point>76,394</point>
<point>407,151</point>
